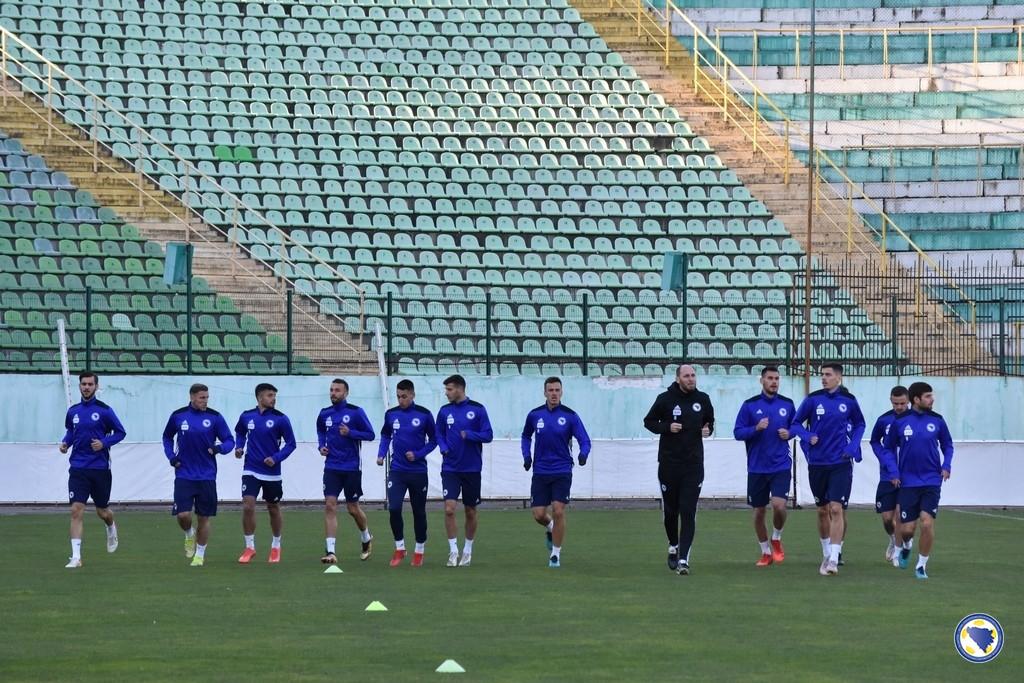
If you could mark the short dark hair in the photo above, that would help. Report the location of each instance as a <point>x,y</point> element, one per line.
<point>338,380</point>
<point>769,368</point>
<point>196,388</point>
<point>406,385</point>
<point>457,380</point>
<point>919,389</point>
<point>264,386</point>
<point>87,373</point>
<point>837,367</point>
<point>899,390</point>
<point>552,380</point>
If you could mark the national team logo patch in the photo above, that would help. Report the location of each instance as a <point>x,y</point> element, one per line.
<point>978,638</point>
<point>696,407</point>
<point>346,418</point>
<point>95,417</point>
<point>470,415</point>
<point>842,407</point>
<point>206,423</point>
<point>783,412</point>
<point>561,420</point>
<point>415,422</point>
<point>931,427</point>
<point>269,423</point>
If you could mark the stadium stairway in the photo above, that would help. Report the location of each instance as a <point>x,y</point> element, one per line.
<point>160,217</point>
<point>832,245</point>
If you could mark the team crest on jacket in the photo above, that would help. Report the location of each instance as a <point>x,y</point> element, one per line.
<point>931,427</point>
<point>206,423</point>
<point>561,420</point>
<point>95,417</point>
<point>415,422</point>
<point>270,423</point>
<point>345,418</point>
<point>783,412</point>
<point>470,415</point>
<point>696,407</point>
<point>842,407</point>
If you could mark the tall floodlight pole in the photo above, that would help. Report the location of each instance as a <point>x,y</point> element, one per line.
<point>811,163</point>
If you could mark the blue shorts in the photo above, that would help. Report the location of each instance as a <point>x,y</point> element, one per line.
<point>761,487</point>
<point>549,487</point>
<point>202,495</point>
<point>831,483</point>
<point>85,483</point>
<point>885,497</point>
<point>465,483</point>
<point>414,482</point>
<point>917,499</point>
<point>351,482</point>
<point>273,491</point>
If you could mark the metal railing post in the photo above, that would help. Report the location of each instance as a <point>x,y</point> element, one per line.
<point>487,333</point>
<point>796,51</point>
<point>639,12</point>
<point>977,70</point>
<point>931,53</point>
<point>894,322</point>
<point>49,100</point>
<point>842,55</point>
<point>586,334</point>
<point>754,57</point>
<point>1002,336</point>
<point>138,162</point>
<point>95,135</point>
<point>389,317</point>
<point>188,308</point>
<point>289,336</point>
<point>234,243</point>
<point>88,328</point>
<point>3,65</point>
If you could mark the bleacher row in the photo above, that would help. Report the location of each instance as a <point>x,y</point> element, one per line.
<point>444,150</point>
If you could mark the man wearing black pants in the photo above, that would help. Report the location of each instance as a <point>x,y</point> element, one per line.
<point>683,416</point>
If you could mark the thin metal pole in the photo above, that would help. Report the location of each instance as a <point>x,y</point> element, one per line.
<point>390,329</point>
<point>810,210</point>
<point>487,333</point>
<point>49,100</point>
<point>95,135</point>
<point>289,338</point>
<point>3,64</point>
<point>188,308</point>
<point>88,328</point>
<point>586,334</point>
<point>1002,336</point>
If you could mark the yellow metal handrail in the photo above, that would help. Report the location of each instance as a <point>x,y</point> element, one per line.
<point>885,32</point>
<point>713,74</point>
<point>191,172</point>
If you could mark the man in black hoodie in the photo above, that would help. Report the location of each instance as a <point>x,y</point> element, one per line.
<point>683,416</point>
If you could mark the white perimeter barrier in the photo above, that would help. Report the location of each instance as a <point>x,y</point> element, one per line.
<point>984,473</point>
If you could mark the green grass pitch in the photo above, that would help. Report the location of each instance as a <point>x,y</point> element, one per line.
<point>613,612</point>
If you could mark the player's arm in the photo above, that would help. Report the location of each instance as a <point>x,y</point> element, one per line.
<point>385,440</point>
<point>889,461</point>
<point>857,435</point>
<point>227,442</point>
<point>360,429</point>
<point>321,431</point>
<point>68,431</point>
<point>430,442</point>
<point>655,421</point>
<point>241,434</point>
<point>708,415</point>
<point>946,444</point>
<point>743,429</point>
<point>168,440</point>
<point>441,432</point>
<point>582,438</point>
<point>877,432</point>
<point>115,431</point>
<point>526,442</point>
<point>485,434</point>
<point>797,428</point>
<point>288,447</point>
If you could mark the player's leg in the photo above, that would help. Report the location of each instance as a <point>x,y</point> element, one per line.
<point>182,510</point>
<point>418,503</point>
<point>250,487</point>
<point>558,533</point>
<point>885,505</point>
<point>835,512</point>
<point>451,489</point>
<point>276,527</point>
<point>332,489</point>
<point>79,490</point>
<point>817,479</point>
<point>540,498</point>
<point>929,511</point>
<point>353,494</point>
<point>470,501</point>
<point>757,499</point>
<point>668,481</point>
<point>206,507</point>
<point>101,499</point>
<point>689,494</point>
<point>396,494</point>
<point>909,499</point>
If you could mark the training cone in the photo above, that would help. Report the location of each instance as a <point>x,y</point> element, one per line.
<point>333,569</point>
<point>450,666</point>
<point>376,606</point>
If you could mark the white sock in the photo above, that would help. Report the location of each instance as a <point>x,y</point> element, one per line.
<point>776,534</point>
<point>399,545</point>
<point>365,535</point>
<point>833,552</point>
<point>330,542</point>
<point>892,540</point>
<point>468,549</point>
<point>766,548</point>
<point>551,525</point>
<point>275,542</point>
<point>825,543</point>
<point>190,533</point>
<point>112,530</point>
<point>420,548</point>
<point>200,551</point>
<point>453,545</point>
<point>908,544</point>
<point>673,549</point>
<point>922,561</point>
<point>250,541</point>
<point>840,544</point>
<point>76,548</point>
<point>556,551</point>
